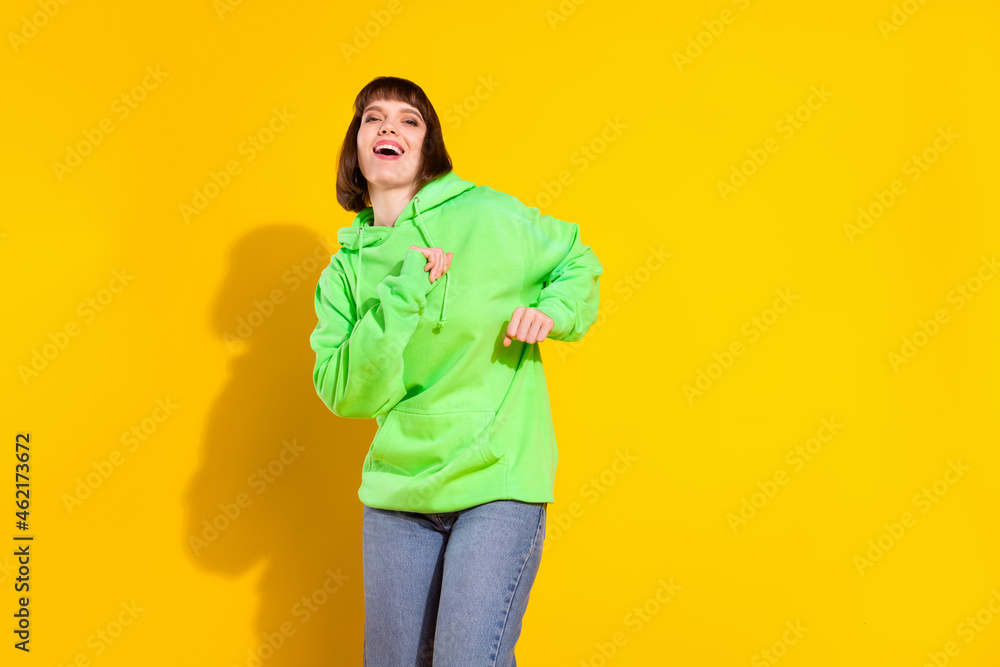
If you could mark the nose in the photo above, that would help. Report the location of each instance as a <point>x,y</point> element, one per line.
<point>384,129</point>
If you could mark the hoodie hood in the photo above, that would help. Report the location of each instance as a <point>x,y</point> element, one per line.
<point>364,234</point>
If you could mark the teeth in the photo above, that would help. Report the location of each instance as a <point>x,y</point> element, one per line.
<point>396,149</point>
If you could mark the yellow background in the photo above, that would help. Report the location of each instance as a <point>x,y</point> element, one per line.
<point>521,89</point>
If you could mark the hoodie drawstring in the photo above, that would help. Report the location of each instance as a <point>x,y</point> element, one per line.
<point>430,244</point>
<point>357,284</point>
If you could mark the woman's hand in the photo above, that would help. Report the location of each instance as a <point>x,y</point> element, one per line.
<point>438,261</point>
<point>529,325</point>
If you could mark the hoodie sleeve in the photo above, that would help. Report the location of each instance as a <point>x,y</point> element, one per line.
<point>359,364</point>
<point>568,270</point>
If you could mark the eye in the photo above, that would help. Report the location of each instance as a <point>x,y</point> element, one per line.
<point>409,120</point>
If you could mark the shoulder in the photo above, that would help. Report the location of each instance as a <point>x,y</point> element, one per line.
<point>495,204</point>
<point>489,198</point>
<point>333,275</point>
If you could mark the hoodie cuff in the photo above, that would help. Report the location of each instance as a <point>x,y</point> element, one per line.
<point>412,283</point>
<point>562,319</point>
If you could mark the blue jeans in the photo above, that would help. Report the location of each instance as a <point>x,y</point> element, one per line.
<point>449,590</point>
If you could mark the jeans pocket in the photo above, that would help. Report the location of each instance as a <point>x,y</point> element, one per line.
<point>413,441</point>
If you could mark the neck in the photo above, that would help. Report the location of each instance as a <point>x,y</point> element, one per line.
<point>388,203</point>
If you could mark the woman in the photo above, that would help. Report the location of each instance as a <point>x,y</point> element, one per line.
<point>456,483</point>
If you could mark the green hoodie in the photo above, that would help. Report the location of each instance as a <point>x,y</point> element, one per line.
<point>462,419</point>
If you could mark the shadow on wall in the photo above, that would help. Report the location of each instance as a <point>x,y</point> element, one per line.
<point>277,486</point>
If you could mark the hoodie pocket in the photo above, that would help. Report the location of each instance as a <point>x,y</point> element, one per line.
<point>413,441</point>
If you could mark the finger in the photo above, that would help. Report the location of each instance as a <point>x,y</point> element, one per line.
<point>545,325</point>
<point>506,341</point>
<point>532,336</point>
<point>438,263</point>
<point>544,330</point>
<point>428,259</point>
<point>515,320</point>
<point>436,272</point>
<point>526,320</point>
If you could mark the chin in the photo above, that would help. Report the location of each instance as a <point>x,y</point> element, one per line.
<point>391,174</point>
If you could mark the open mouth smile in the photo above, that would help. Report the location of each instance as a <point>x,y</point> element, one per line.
<point>388,150</point>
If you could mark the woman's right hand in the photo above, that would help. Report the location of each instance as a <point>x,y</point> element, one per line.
<point>438,261</point>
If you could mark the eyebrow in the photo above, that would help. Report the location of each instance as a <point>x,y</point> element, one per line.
<point>403,110</point>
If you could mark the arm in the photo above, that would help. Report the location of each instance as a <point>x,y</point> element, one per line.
<point>359,364</point>
<point>568,270</point>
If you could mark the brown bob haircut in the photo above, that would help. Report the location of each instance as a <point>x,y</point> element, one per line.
<point>352,187</point>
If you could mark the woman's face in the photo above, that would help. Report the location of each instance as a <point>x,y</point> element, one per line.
<point>400,125</point>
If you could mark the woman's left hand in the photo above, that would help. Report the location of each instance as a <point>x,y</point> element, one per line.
<point>529,325</point>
